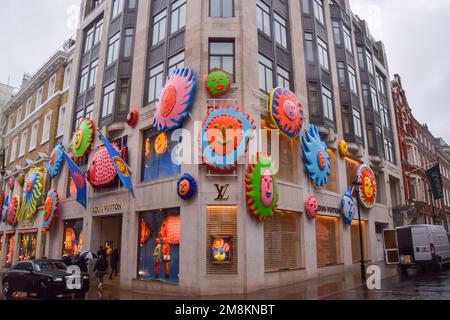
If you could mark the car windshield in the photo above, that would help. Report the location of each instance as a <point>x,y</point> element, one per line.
<point>50,266</point>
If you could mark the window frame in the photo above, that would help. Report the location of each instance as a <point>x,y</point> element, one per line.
<point>267,66</point>
<point>329,111</point>
<point>222,55</point>
<point>221,14</point>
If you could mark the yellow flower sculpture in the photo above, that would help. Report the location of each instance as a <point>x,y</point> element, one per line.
<point>31,193</point>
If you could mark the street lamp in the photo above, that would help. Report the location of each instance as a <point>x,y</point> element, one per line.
<point>357,184</point>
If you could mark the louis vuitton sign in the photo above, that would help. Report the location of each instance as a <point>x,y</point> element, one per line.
<point>109,208</point>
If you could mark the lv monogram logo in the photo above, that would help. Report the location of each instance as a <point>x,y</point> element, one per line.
<point>222,191</point>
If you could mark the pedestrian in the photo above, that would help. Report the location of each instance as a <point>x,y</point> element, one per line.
<point>114,261</point>
<point>101,252</point>
<point>82,264</point>
<point>100,269</point>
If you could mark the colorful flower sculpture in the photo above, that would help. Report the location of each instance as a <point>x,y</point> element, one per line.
<point>367,191</point>
<point>218,82</point>
<point>286,112</point>
<point>5,208</point>
<point>32,193</point>
<point>161,143</point>
<point>56,160</point>
<point>316,157</point>
<point>21,180</point>
<point>175,100</point>
<point>13,211</point>
<point>101,172</point>
<point>348,207</point>
<point>132,117</point>
<point>82,139</point>
<point>311,207</point>
<point>51,209</point>
<point>186,187</point>
<point>221,250</point>
<point>225,136</point>
<point>343,148</point>
<point>170,230</point>
<point>11,183</point>
<point>261,187</point>
<point>146,232</point>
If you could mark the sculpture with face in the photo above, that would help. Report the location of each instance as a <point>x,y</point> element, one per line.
<point>13,210</point>
<point>348,207</point>
<point>267,188</point>
<point>82,139</point>
<point>224,134</point>
<point>56,161</point>
<point>51,208</point>
<point>368,188</point>
<point>32,193</point>
<point>218,83</point>
<point>161,143</point>
<point>343,148</point>
<point>186,187</point>
<point>316,157</point>
<point>311,207</point>
<point>286,112</point>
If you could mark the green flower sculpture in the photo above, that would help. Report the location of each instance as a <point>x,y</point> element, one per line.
<point>82,139</point>
<point>261,185</point>
<point>218,82</point>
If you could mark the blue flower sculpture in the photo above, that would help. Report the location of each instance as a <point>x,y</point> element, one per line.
<point>56,160</point>
<point>348,207</point>
<point>316,157</point>
<point>186,187</point>
<point>5,209</point>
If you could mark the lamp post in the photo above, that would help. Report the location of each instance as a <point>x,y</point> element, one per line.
<point>357,184</point>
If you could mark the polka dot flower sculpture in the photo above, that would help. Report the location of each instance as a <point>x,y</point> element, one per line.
<point>286,112</point>
<point>316,157</point>
<point>261,186</point>
<point>367,191</point>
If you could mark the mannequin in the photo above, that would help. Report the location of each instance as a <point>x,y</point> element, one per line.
<point>166,257</point>
<point>157,256</point>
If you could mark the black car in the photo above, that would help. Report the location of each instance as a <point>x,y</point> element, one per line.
<point>46,278</point>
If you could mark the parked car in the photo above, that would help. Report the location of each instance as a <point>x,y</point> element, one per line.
<point>46,278</point>
<point>423,246</point>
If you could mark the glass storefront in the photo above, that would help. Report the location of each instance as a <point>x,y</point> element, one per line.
<point>27,245</point>
<point>328,241</point>
<point>73,236</point>
<point>356,243</point>
<point>9,252</point>
<point>159,245</point>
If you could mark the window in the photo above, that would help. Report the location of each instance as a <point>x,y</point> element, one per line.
<point>88,39</point>
<point>327,103</point>
<point>369,62</point>
<point>318,11</point>
<point>328,246</point>
<point>265,74</point>
<point>374,96</point>
<point>13,149</point>
<point>176,62</point>
<point>52,86</point>
<point>131,4</point>
<point>221,56</point>
<point>361,60</point>
<point>6,153</point>
<point>352,79</point>
<point>380,84</point>
<point>124,94</point>
<point>27,247</point>
<point>305,7</point>
<point>39,97</point>
<point>283,78</point>
<point>10,122</point>
<point>341,73</point>
<point>309,47</point>
<point>33,138</point>
<point>280,30</point>
<point>93,73</point>
<point>158,165</point>
<point>73,237</point>
<point>357,122</point>
<point>356,243</point>
<point>379,138</point>
<point>156,82</point>
<point>221,8</point>
<point>98,32</point>
<point>18,116</point>
<point>84,80</point>
<point>108,99</point>
<point>128,42</point>
<point>117,8</point>
<point>263,17</point>
<point>385,119</point>
<point>159,27</point>
<point>23,142</point>
<point>413,189</point>
<point>313,93</point>
<point>61,119</point>
<point>366,94</point>
<point>28,107</point>
<point>178,16</point>
<point>348,40</point>
<point>389,151</point>
<point>282,241</point>
<point>46,128</point>
<point>67,74</point>
<point>113,49</point>
<point>323,54</point>
<point>346,119</point>
<point>337,32</point>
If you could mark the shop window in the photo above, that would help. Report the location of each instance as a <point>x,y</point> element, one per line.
<point>332,184</point>
<point>328,244</point>
<point>27,245</point>
<point>356,243</point>
<point>351,166</point>
<point>282,242</point>
<point>159,245</point>
<point>73,236</point>
<point>288,153</point>
<point>9,253</point>
<point>157,159</point>
<point>221,226</point>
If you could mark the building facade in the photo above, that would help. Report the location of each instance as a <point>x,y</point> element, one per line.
<point>35,122</point>
<point>317,49</point>
<point>6,93</point>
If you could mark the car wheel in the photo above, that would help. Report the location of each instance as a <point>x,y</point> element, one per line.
<point>7,288</point>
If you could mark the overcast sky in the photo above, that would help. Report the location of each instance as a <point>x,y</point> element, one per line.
<point>415,33</point>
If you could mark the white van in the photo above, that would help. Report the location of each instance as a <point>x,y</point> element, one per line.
<point>422,246</point>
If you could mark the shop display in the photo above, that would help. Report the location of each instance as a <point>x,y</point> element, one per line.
<point>311,207</point>
<point>13,210</point>
<point>218,82</point>
<point>175,100</point>
<point>80,242</point>
<point>316,157</point>
<point>51,209</point>
<point>27,246</point>
<point>148,146</point>
<point>186,187</point>
<point>10,251</point>
<point>82,139</point>
<point>161,143</point>
<point>56,160</point>
<point>32,193</point>
<point>101,172</point>
<point>21,180</point>
<point>343,148</point>
<point>286,112</point>
<point>170,230</point>
<point>132,117</point>
<point>145,232</point>
<point>367,190</point>
<point>221,249</point>
<point>348,207</point>
<point>5,208</point>
<point>225,135</point>
<point>11,183</point>
<point>261,187</point>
